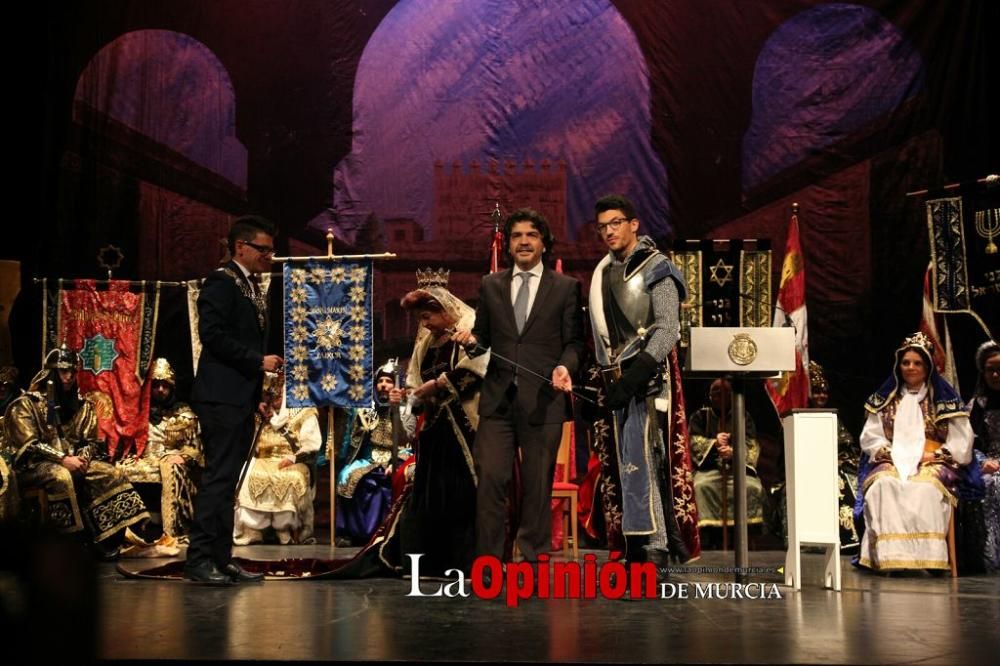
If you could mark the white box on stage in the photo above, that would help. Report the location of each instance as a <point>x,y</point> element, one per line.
<point>812,491</point>
<point>759,352</point>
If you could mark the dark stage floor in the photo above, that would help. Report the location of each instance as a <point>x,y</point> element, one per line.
<point>874,620</point>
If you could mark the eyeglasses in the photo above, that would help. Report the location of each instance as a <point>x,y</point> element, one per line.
<point>611,224</point>
<point>263,249</point>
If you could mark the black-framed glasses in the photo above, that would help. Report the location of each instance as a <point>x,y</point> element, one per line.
<point>611,224</point>
<point>263,249</point>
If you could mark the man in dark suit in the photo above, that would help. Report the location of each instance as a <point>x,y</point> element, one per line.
<point>232,324</point>
<point>531,315</point>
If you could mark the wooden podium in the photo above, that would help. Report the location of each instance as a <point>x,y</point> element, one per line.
<point>740,354</point>
<point>811,490</point>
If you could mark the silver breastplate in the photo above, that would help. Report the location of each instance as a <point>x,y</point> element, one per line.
<point>628,306</point>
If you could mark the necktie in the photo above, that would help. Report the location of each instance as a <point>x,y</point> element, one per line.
<point>521,301</point>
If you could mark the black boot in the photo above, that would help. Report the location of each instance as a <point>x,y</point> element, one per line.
<point>660,559</point>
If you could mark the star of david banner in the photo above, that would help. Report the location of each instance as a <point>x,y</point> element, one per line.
<point>113,329</point>
<point>729,283</point>
<point>328,333</point>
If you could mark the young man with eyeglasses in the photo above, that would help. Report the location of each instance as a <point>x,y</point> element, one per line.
<point>232,325</point>
<point>635,296</point>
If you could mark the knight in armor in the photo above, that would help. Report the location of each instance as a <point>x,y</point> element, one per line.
<point>173,457</point>
<point>52,430</point>
<point>278,491</point>
<point>364,488</point>
<point>635,296</point>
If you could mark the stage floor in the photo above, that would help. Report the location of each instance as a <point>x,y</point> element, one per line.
<point>874,620</point>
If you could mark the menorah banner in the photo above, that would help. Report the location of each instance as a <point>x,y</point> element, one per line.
<point>113,327</point>
<point>328,333</point>
<point>729,283</point>
<point>964,236</point>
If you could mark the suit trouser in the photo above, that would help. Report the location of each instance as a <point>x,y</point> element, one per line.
<point>227,431</point>
<point>497,439</point>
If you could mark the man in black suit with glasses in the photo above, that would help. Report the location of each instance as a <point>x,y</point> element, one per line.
<point>232,325</point>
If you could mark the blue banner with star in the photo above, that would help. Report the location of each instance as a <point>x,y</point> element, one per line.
<point>328,333</point>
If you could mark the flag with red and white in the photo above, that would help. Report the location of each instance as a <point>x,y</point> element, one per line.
<point>791,390</point>
<point>944,357</point>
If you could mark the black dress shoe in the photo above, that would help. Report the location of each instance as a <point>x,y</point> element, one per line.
<point>238,574</point>
<point>206,573</point>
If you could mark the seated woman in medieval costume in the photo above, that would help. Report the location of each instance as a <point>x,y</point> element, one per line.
<point>848,455</point>
<point>52,430</point>
<point>712,453</point>
<point>917,437</point>
<point>435,513</point>
<point>277,491</point>
<point>981,518</point>
<point>364,483</point>
<point>173,455</point>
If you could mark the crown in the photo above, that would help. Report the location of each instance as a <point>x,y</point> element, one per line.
<point>817,377</point>
<point>430,277</point>
<point>921,341</point>
<point>162,371</point>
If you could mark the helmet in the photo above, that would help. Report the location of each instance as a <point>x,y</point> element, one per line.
<point>62,358</point>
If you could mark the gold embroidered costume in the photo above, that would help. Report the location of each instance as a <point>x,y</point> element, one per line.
<point>100,498</point>
<point>173,431</point>
<point>272,496</point>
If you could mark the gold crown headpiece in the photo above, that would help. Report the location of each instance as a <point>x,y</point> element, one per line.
<point>817,378</point>
<point>430,277</point>
<point>162,372</point>
<point>919,340</point>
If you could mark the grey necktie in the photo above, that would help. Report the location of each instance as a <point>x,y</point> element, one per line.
<point>521,301</point>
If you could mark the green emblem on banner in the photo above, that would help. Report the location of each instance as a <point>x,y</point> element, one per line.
<point>98,354</point>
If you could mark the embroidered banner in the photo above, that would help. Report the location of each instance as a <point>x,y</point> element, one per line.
<point>729,283</point>
<point>964,235</point>
<point>328,333</point>
<point>113,329</point>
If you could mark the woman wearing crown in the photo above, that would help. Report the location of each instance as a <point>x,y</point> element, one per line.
<point>436,511</point>
<point>917,438</point>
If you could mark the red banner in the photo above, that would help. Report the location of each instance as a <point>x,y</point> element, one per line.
<point>792,390</point>
<point>112,330</point>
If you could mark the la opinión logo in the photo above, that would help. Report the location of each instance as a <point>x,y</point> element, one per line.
<point>518,581</point>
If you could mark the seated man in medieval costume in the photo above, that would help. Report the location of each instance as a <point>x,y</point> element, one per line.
<point>918,440</point>
<point>712,450</point>
<point>364,488</point>
<point>436,511</point>
<point>278,491</point>
<point>848,455</point>
<point>173,455</point>
<point>9,496</point>
<point>53,431</point>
